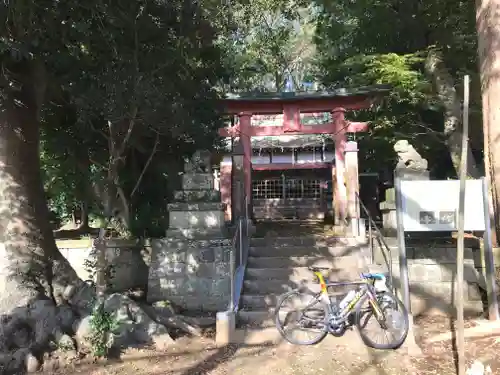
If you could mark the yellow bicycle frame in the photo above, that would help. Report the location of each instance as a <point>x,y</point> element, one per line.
<point>324,290</point>
<point>322,282</point>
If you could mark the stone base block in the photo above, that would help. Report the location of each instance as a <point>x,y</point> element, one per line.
<point>197,196</point>
<point>197,181</point>
<point>412,174</point>
<point>197,219</point>
<point>197,233</point>
<point>432,306</point>
<point>439,299</point>
<point>389,222</point>
<point>192,274</point>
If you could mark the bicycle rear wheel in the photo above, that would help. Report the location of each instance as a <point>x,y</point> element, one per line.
<point>307,315</point>
<point>395,323</point>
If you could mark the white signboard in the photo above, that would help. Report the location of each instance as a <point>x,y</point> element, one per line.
<point>433,205</point>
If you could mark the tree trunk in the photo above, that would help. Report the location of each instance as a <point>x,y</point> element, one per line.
<point>84,218</point>
<point>488,30</point>
<point>444,86</point>
<point>31,262</point>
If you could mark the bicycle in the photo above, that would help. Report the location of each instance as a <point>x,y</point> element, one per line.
<point>337,318</point>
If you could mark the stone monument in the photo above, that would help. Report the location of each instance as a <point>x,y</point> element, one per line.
<point>197,209</point>
<point>411,166</point>
<point>190,267</point>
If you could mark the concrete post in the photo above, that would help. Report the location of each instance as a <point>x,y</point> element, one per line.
<point>225,328</point>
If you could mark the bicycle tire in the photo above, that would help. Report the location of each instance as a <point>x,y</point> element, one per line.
<point>394,344</point>
<point>281,330</point>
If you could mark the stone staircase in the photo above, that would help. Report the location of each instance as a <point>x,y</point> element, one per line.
<point>277,265</point>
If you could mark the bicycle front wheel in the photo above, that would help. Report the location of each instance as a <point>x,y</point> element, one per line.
<point>302,314</point>
<point>393,324</point>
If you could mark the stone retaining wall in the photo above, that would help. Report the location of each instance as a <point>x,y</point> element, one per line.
<point>432,272</point>
<point>193,274</point>
<point>129,257</point>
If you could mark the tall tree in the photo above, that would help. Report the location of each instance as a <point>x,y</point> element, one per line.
<point>34,264</point>
<point>99,60</point>
<point>271,45</point>
<point>488,33</point>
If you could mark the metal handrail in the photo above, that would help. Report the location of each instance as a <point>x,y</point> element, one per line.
<point>234,264</point>
<point>238,258</point>
<point>386,250</point>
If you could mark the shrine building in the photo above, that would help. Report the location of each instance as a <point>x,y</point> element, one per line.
<point>298,162</point>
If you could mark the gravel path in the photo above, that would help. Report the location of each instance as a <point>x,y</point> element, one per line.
<point>201,356</point>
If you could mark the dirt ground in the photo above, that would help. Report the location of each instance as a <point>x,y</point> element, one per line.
<point>201,356</point>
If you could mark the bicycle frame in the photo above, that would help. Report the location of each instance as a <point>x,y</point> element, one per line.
<point>365,289</point>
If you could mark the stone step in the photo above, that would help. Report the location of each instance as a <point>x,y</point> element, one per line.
<point>326,251</point>
<point>301,241</point>
<point>293,274</point>
<point>264,301</point>
<point>264,287</point>
<point>337,263</point>
<point>254,302</point>
<point>299,275</point>
<point>261,318</point>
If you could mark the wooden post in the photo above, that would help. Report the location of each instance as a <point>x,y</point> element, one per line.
<point>459,295</point>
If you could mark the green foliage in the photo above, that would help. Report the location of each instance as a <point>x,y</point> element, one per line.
<point>102,325</point>
<point>388,44</point>
<point>151,69</point>
<point>272,42</point>
<point>409,112</point>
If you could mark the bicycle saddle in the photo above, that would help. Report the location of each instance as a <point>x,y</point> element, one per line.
<point>318,269</point>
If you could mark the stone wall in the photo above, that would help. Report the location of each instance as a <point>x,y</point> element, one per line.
<point>432,272</point>
<point>193,274</point>
<point>129,257</point>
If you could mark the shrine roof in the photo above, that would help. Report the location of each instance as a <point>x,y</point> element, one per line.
<point>271,102</point>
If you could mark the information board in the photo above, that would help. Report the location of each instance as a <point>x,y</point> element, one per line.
<point>430,206</point>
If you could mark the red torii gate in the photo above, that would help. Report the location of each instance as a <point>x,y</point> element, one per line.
<point>291,105</point>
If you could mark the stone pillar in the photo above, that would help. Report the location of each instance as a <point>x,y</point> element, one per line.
<point>410,166</point>
<point>216,175</point>
<point>352,172</point>
<point>197,209</point>
<point>245,128</point>
<point>226,186</point>
<point>340,192</point>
